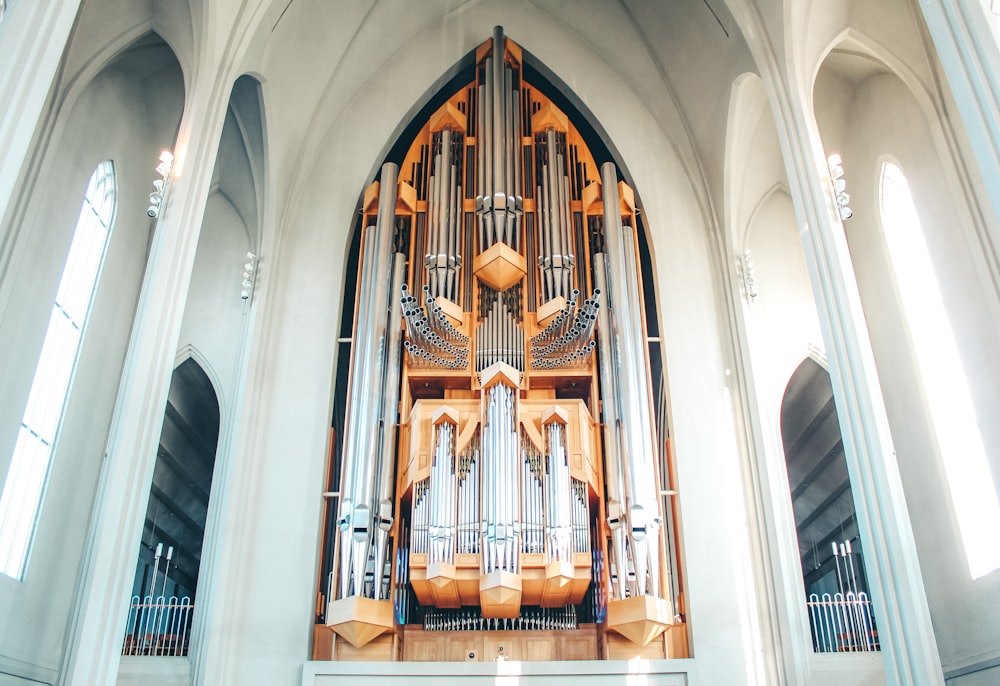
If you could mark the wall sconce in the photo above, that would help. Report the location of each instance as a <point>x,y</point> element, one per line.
<point>160,185</point>
<point>249,276</point>
<point>836,167</point>
<point>749,277</point>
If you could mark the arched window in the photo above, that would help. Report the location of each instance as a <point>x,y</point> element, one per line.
<point>973,494</point>
<point>22,490</point>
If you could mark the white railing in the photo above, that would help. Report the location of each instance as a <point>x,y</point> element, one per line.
<point>158,626</point>
<point>842,623</point>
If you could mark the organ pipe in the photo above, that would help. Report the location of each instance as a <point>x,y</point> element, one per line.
<point>369,363</point>
<point>483,378</point>
<point>559,506</point>
<point>641,503</point>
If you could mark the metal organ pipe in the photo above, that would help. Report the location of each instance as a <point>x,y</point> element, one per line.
<point>639,471</point>
<point>559,511</point>
<point>442,494</point>
<point>365,414</point>
<point>354,438</point>
<point>501,497</point>
<point>390,416</point>
<point>532,509</point>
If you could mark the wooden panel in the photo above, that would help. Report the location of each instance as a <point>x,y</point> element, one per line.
<point>620,648</point>
<point>543,648</point>
<point>484,646</point>
<point>424,646</point>
<point>577,646</point>
<point>377,650</point>
<point>322,642</point>
<point>506,644</point>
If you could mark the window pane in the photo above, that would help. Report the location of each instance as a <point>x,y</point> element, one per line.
<point>25,482</point>
<point>973,493</point>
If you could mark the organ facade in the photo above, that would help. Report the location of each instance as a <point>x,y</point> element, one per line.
<point>503,470</point>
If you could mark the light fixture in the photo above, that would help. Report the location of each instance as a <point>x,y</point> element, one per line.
<point>160,185</point>
<point>836,166</point>
<point>249,276</point>
<point>749,277</point>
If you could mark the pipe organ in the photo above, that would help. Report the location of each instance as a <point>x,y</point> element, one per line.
<point>500,468</point>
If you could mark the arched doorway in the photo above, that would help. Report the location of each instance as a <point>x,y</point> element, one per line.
<point>166,577</point>
<point>830,549</point>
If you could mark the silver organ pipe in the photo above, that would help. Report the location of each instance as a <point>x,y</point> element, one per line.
<point>499,203</point>
<point>495,376</point>
<point>468,499</point>
<point>532,511</point>
<point>444,212</point>
<point>558,505</point>
<point>387,429</point>
<point>556,259</point>
<point>501,461</point>
<point>420,518</point>
<point>614,483</point>
<point>581,517</point>
<point>642,506</point>
<point>368,362</point>
<point>442,507</point>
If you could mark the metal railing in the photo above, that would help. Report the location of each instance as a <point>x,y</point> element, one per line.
<point>158,626</point>
<point>842,623</point>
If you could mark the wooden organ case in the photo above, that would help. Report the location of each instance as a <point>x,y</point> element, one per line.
<point>501,485</point>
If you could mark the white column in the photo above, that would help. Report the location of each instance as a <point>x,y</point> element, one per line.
<point>970,59</point>
<point>98,624</point>
<point>30,67</point>
<point>909,649</point>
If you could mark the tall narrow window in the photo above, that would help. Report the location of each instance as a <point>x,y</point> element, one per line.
<point>992,8</point>
<point>973,493</point>
<point>22,490</point>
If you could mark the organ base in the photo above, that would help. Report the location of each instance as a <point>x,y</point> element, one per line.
<point>639,619</point>
<point>359,620</point>
<point>500,594</point>
<point>488,646</point>
<point>412,643</point>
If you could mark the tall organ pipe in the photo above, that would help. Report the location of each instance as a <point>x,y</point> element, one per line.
<point>361,372</point>
<point>501,492</point>
<point>559,508</point>
<point>499,130</point>
<point>610,372</point>
<point>390,417</point>
<point>369,366</point>
<point>442,493</point>
<point>646,490</point>
<point>640,482</point>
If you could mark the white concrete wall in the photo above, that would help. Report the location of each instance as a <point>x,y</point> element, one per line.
<point>333,101</point>
<point>213,315</point>
<point>881,118</point>
<point>108,122</point>
<point>273,526</point>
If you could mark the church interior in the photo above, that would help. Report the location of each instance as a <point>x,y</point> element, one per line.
<point>499,342</point>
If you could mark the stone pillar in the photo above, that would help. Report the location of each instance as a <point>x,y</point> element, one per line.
<point>98,623</point>
<point>969,57</point>
<point>905,632</point>
<point>32,66</point>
